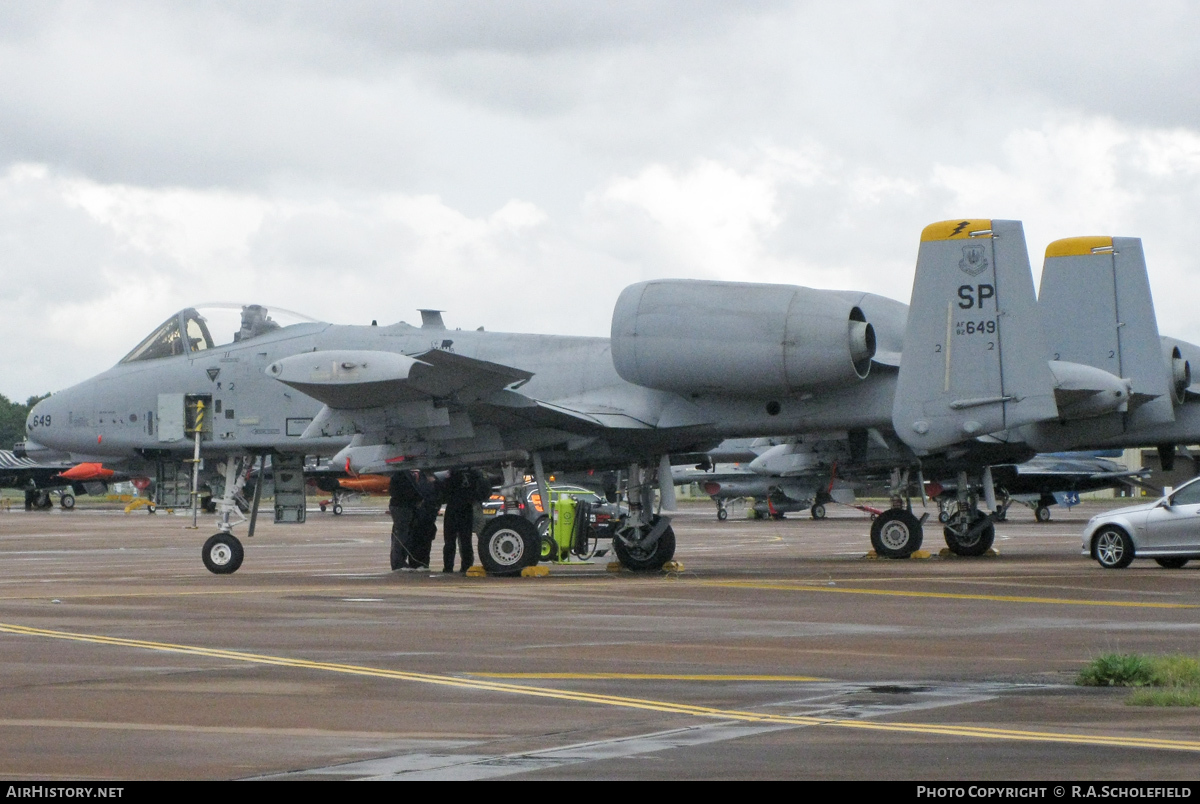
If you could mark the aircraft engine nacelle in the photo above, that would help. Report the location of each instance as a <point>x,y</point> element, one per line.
<point>693,336</point>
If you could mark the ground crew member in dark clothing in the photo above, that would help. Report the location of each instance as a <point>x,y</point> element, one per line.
<point>462,494</point>
<point>406,499</point>
<point>425,518</point>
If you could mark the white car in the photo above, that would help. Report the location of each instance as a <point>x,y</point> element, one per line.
<point>1167,530</point>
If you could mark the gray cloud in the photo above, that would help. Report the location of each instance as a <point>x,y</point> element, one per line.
<point>358,160</point>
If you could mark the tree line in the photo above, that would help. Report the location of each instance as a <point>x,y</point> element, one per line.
<point>12,419</point>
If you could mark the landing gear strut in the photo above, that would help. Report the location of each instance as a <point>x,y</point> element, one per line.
<point>38,500</point>
<point>222,552</point>
<point>644,541</point>
<point>969,531</point>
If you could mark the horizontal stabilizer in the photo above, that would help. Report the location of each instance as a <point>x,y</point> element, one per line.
<point>1083,391</point>
<point>975,360</point>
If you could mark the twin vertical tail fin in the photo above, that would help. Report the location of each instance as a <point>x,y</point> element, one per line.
<point>1098,311</point>
<point>975,356</point>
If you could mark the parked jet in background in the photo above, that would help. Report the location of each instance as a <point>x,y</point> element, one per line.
<point>58,474</point>
<point>1046,480</point>
<point>809,472</point>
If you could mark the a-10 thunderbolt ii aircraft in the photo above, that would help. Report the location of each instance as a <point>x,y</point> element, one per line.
<point>689,363</point>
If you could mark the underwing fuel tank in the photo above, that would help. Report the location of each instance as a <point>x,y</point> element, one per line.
<point>693,336</point>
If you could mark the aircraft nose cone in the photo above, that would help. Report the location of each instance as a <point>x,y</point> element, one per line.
<point>45,423</point>
<point>37,415</point>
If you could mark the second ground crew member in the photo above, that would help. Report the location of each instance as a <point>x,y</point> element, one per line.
<point>463,491</point>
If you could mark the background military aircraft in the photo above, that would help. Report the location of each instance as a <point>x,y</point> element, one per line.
<point>807,473</point>
<point>39,478</point>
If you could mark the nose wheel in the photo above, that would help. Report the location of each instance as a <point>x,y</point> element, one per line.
<point>222,554</point>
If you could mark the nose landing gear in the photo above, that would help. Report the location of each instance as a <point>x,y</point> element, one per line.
<point>222,552</point>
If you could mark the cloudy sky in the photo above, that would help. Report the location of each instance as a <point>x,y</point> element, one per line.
<point>518,163</point>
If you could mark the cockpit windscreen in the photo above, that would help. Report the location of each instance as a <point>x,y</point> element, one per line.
<point>210,326</point>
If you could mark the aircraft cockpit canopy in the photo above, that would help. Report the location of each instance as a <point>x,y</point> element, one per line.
<point>211,326</point>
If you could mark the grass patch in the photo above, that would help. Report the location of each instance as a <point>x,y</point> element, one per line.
<point>1155,696</point>
<point>1175,671</point>
<point>1164,680</point>
<point>1116,670</point>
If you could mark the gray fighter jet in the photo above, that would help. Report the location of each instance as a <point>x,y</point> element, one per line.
<point>688,364</point>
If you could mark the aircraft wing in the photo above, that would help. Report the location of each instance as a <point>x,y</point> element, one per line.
<point>356,379</point>
<point>27,473</point>
<point>1049,473</point>
<point>568,414</point>
<point>359,380</point>
<point>437,406</point>
<point>1086,466</point>
<point>30,474</point>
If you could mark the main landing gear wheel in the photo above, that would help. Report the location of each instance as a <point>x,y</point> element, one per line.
<point>1041,513</point>
<point>67,501</point>
<point>648,559</point>
<point>1113,548</point>
<point>722,514</point>
<point>974,545</point>
<point>222,554</point>
<point>508,544</point>
<point>1172,562</point>
<point>817,511</point>
<point>896,533</point>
